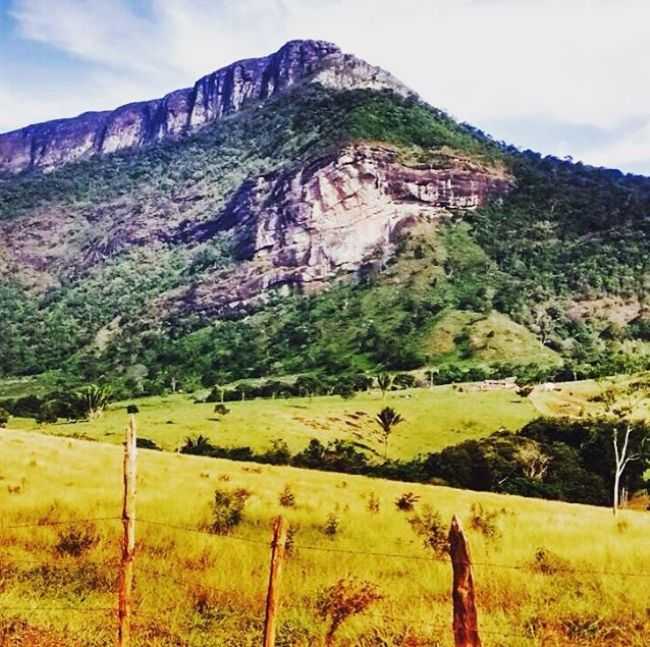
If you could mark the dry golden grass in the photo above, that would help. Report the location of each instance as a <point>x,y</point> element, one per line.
<point>200,589</point>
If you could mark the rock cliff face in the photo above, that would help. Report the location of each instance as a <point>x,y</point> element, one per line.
<point>49,145</point>
<point>301,229</point>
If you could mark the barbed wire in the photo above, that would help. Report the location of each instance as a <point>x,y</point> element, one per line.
<point>198,531</point>
<point>391,555</point>
<point>39,609</point>
<point>64,522</point>
<point>327,549</point>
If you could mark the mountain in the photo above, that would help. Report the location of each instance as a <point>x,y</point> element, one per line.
<point>50,145</point>
<point>305,212</point>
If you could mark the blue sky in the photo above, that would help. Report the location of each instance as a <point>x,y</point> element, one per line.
<point>564,77</point>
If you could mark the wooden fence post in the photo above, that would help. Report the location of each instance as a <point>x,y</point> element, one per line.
<point>273,593</point>
<point>128,539</point>
<point>465,619</point>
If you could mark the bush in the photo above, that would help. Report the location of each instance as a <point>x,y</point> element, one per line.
<point>198,446</point>
<point>287,498</point>
<point>373,503</point>
<point>4,417</point>
<point>346,598</point>
<point>406,502</point>
<point>278,454</point>
<point>228,510</point>
<point>332,525</point>
<point>221,409</point>
<point>75,541</point>
<point>146,443</point>
<point>132,409</point>
<point>430,527</point>
<point>484,521</point>
<point>47,413</point>
<point>549,563</point>
<point>345,390</point>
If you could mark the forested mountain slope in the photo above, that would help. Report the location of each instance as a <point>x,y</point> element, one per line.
<point>322,218</point>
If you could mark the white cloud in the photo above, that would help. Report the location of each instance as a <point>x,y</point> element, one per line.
<point>571,61</point>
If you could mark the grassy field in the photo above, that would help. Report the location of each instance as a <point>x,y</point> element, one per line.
<point>433,419</point>
<point>201,589</point>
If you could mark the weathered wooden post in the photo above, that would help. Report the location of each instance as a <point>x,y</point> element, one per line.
<point>273,593</point>
<point>128,539</point>
<point>465,618</point>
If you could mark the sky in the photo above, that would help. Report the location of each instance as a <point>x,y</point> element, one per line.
<point>563,77</point>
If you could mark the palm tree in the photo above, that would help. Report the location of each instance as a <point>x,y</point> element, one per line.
<point>387,418</point>
<point>198,446</point>
<point>384,382</point>
<point>93,399</point>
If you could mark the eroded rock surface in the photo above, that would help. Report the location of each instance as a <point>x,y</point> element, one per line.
<point>302,229</point>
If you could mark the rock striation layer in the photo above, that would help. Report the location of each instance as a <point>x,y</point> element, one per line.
<point>49,145</point>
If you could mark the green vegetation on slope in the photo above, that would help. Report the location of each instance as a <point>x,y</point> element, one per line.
<point>565,237</point>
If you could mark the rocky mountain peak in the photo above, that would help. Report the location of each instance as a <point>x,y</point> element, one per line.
<point>47,146</point>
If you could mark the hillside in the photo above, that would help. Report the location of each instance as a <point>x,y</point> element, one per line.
<point>318,217</point>
<point>536,584</point>
<point>432,420</point>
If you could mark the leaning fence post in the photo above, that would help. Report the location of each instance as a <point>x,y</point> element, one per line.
<point>465,619</point>
<point>128,539</point>
<point>273,593</point>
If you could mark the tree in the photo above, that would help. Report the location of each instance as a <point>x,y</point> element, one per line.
<point>620,408</point>
<point>623,456</point>
<point>384,382</point>
<point>387,418</point>
<point>404,381</point>
<point>197,446</point>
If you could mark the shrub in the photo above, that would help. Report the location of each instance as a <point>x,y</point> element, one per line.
<point>332,525</point>
<point>373,503</point>
<point>132,409</point>
<point>75,541</point>
<point>549,563</point>
<point>278,454</point>
<point>345,390</point>
<point>406,502</point>
<point>47,414</point>
<point>147,443</point>
<point>346,598</point>
<point>4,417</point>
<point>484,521</point>
<point>198,446</point>
<point>221,409</point>
<point>228,510</point>
<point>287,497</point>
<point>430,527</point>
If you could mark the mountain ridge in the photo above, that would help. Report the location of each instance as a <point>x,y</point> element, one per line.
<point>51,144</point>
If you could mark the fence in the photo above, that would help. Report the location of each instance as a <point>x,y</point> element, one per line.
<point>463,626</point>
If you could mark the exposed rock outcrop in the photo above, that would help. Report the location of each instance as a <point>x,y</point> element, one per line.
<point>302,228</point>
<point>49,145</point>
